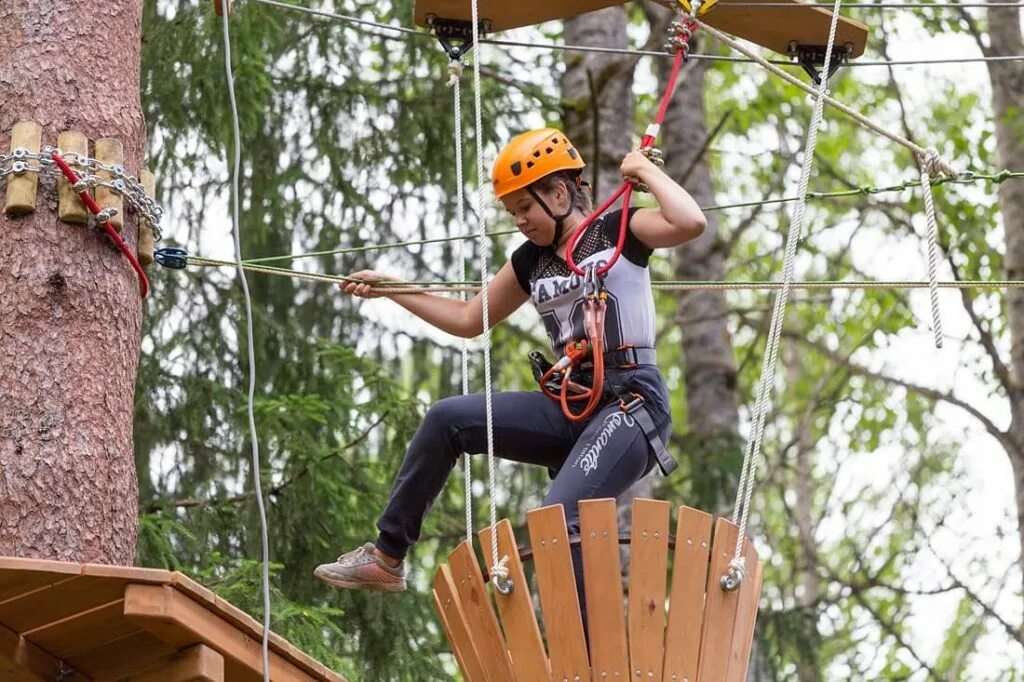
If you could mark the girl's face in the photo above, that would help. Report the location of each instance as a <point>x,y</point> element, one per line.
<point>530,217</point>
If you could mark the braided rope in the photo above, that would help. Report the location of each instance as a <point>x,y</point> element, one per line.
<point>929,163</point>
<point>455,73</point>
<point>745,490</point>
<point>498,569</point>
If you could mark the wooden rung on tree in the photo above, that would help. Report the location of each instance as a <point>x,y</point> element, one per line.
<point>110,152</point>
<point>22,186</point>
<point>70,208</point>
<point>705,634</point>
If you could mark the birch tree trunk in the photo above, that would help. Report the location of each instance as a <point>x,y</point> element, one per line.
<point>1008,108</point>
<point>70,313</point>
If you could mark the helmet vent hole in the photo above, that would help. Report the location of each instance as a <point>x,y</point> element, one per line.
<point>529,164</point>
<point>549,150</point>
<point>536,154</point>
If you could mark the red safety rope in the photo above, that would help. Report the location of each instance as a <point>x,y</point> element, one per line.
<point>595,303</point>
<point>625,190</point>
<point>91,204</point>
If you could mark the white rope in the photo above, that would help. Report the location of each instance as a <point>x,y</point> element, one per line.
<point>481,177</point>
<point>257,483</point>
<point>744,492</point>
<point>460,250</point>
<point>928,163</point>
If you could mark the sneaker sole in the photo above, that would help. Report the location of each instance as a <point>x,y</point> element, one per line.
<point>360,585</point>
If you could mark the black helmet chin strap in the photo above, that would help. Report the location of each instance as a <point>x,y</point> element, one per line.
<point>559,219</point>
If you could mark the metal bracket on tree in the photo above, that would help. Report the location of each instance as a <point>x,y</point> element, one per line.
<point>812,58</point>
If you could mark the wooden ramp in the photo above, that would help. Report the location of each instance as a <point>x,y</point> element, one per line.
<point>93,622</point>
<point>771,26</point>
<point>661,630</point>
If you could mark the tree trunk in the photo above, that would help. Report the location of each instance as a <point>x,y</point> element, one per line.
<point>709,366</point>
<point>597,90</point>
<point>1007,104</point>
<point>70,312</point>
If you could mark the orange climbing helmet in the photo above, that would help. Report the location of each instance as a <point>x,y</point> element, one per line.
<point>531,156</point>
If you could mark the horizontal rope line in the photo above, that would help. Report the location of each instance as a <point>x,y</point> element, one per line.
<point>963,179</point>
<point>670,285</point>
<point>631,52</point>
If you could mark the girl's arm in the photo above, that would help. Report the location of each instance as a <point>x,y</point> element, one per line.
<point>678,218</point>
<point>460,318</point>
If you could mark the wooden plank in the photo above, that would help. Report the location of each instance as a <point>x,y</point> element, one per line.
<point>110,152</point>
<point>648,577</point>
<point>504,15</point>
<point>686,604</point>
<point>58,601</point>
<point>776,27</point>
<point>746,617</point>
<point>179,621</point>
<point>70,208</point>
<point>559,602</point>
<point>453,620</point>
<point>198,663</point>
<point>21,188</point>
<point>21,576</point>
<point>147,238</point>
<point>720,607</point>
<point>602,576</point>
<point>22,661</point>
<point>126,574</point>
<point>525,645</point>
<point>248,624</point>
<point>121,657</point>
<point>476,605</point>
<point>85,630</point>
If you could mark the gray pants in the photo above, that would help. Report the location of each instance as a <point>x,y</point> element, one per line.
<point>601,457</point>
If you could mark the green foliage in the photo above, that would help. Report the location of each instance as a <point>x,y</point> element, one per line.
<point>348,141</point>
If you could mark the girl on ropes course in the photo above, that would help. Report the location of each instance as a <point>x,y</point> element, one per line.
<point>587,306</point>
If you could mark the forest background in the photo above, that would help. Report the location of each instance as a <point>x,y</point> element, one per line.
<point>887,510</point>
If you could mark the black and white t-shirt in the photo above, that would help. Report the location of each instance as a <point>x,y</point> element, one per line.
<point>556,291</point>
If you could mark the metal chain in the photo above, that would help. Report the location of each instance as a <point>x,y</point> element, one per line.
<point>19,161</point>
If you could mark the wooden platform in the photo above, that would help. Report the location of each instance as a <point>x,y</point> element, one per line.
<point>771,27</point>
<point>688,628</point>
<point>93,622</point>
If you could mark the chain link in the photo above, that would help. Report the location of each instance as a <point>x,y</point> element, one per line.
<point>18,163</point>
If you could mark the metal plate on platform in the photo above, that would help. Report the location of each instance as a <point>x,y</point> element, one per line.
<point>777,27</point>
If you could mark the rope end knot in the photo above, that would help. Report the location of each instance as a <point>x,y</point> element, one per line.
<point>933,164</point>
<point>455,69</point>
<point>499,576</point>
<point>733,578</point>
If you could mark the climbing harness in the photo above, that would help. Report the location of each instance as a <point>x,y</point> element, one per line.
<point>557,380</point>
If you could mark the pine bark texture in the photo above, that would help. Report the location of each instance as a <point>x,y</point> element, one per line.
<point>1008,108</point>
<point>70,312</point>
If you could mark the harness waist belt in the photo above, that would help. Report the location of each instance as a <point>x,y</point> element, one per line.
<point>624,358</point>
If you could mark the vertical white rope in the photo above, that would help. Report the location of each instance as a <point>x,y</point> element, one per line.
<point>741,511</point>
<point>460,250</point>
<point>257,483</point>
<point>485,278</point>
<point>927,163</point>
